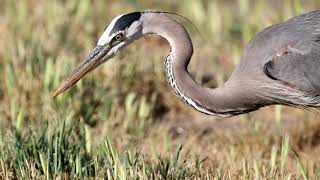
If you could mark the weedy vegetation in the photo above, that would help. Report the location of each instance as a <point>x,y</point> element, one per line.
<point>122,121</point>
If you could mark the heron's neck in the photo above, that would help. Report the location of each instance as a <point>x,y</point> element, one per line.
<point>209,101</point>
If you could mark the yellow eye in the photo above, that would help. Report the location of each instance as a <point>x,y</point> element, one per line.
<point>118,37</point>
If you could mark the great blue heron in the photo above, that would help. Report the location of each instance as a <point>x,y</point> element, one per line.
<point>280,65</point>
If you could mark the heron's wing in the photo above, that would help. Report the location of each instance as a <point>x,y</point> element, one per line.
<point>297,66</point>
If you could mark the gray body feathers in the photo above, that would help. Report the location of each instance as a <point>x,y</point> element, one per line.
<point>280,65</point>
<point>286,58</point>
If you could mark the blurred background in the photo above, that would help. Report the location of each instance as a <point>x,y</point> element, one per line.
<point>125,110</point>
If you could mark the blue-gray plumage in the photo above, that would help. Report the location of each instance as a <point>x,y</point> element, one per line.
<point>297,63</point>
<point>280,65</point>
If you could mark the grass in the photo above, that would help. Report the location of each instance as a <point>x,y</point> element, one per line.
<point>66,153</point>
<point>123,121</point>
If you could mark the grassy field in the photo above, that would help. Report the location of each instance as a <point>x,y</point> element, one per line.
<point>123,121</point>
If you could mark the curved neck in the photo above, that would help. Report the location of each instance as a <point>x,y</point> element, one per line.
<point>223,101</point>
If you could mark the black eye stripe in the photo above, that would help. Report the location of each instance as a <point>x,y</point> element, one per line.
<point>125,21</point>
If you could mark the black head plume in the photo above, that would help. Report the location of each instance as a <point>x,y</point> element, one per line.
<point>125,21</point>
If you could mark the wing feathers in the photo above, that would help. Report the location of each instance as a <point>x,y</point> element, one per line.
<point>298,68</point>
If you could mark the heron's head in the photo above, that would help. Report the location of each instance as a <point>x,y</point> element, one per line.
<point>122,30</point>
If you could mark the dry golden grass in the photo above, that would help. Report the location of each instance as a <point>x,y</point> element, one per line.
<point>123,121</point>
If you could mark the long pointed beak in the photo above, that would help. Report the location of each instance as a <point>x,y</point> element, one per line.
<point>96,57</point>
